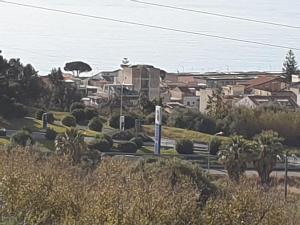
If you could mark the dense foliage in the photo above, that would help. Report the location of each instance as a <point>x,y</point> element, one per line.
<point>127,147</point>
<point>79,115</point>
<point>95,124</point>
<point>192,120</point>
<point>22,138</point>
<point>184,147</point>
<point>250,122</point>
<point>130,192</point>
<point>114,121</point>
<point>138,141</point>
<point>69,121</point>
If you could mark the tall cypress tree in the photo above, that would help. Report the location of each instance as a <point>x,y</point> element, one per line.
<point>290,66</point>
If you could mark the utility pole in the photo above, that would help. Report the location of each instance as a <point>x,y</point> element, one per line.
<point>286,176</point>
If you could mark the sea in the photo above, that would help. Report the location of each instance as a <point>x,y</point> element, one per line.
<point>48,39</point>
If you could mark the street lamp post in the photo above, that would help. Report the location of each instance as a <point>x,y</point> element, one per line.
<point>208,151</point>
<point>286,175</point>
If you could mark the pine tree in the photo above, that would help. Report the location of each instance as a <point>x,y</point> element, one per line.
<point>290,66</point>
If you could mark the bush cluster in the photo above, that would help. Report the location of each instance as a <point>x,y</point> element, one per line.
<point>249,122</point>
<point>114,121</point>
<point>95,124</point>
<point>156,192</point>
<point>22,138</point>
<point>192,120</point>
<point>128,147</point>
<point>69,121</point>
<point>123,135</point>
<point>79,115</point>
<point>184,147</point>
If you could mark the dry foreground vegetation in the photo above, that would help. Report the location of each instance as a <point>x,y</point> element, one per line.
<point>40,189</point>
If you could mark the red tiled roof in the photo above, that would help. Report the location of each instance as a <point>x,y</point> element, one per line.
<point>260,80</point>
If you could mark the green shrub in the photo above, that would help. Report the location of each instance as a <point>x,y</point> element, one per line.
<point>79,115</point>
<point>95,124</point>
<point>184,147</point>
<point>214,146</point>
<point>114,122</point>
<point>123,135</point>
<point>106,137</point>
<point>69,121</point>
<point>192,120</point>
<point>128,147</point>
<point>22,138</point>
<point>50,118</point>
<point>77,105</point>
<point>50,134</point>
<point>39,114</point>
<point>90,113</point>
<point>100,144</point>
<point>138,141</point>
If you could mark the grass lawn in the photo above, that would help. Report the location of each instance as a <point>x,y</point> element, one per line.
<point>47,144</point>
<point>177,134</point>
<point>4,141</point>
<point>59,115</point>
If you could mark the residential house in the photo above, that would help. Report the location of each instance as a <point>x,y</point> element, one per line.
<point>255,101</point>
<point>266,83</point>
<point>233,90</point>
<point>295,88</point>
<point>186,96</point>
<point>204,97</point>
<point>145,79</point>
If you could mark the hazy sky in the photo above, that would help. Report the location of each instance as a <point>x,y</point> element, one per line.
<point>48,40</point>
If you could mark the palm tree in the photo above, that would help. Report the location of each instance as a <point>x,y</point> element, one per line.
<point>235,156</point>
<point>71,143</point>
<point>268,149</point>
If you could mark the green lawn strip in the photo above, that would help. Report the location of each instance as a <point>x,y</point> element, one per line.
<point>177,134</point>
<point>59,115</point>
<point>4,141</point>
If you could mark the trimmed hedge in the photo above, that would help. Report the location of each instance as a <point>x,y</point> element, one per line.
<point>95,124</point>
<point>184,146</point>
<point>138,141</point>
<point>69,121</point>
<point>114,121</point>
<point>90,113</point>
<point>79,115</point>
<point>128,147</point>
<point>123,135</point>
<point>101,145</point>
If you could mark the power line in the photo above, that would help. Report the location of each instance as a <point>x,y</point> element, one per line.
<point>151,26</point>
<point>217,14</point>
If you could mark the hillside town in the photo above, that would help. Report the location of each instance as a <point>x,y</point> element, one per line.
<point>186,90</point>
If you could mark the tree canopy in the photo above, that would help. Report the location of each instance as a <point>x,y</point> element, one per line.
<point>290,65</point>
<point>78,67</point>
